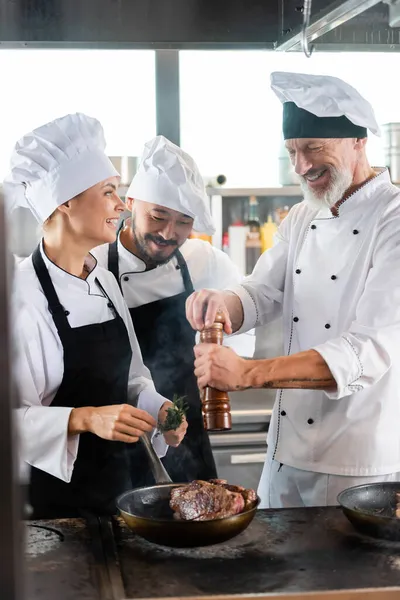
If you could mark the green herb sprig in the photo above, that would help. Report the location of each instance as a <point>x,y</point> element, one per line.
<point>175,415</point>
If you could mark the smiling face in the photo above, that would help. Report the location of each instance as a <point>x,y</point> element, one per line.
<point>158,232</point>
<point>325,167</point>
<point>92,217</point>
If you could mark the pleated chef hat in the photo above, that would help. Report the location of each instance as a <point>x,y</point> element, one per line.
<point>55,163</point>
<point>318,106</point>
<point>168,176</point>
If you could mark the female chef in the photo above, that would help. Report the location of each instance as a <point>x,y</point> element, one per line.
<point>79,367</point>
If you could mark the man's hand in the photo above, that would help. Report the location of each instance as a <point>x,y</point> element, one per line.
<point>201,308</point>
<point>174,437</point>
<point>219,367</point>
<point>118,422</point>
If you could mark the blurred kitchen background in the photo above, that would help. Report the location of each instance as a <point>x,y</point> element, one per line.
<point>230,122</point>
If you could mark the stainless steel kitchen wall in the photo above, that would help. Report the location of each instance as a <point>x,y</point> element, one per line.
<point>139,23</point>
<point>335,25</point>
<point>10,506</point>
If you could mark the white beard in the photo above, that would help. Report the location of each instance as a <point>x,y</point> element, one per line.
<point>340,183</point>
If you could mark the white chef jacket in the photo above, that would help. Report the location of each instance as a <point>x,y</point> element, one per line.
<point>337,281</point>
<point>208,267</point>
<point>39,366</point>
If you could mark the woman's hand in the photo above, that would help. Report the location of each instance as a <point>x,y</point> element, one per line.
<point>118,422</point>
<point>173,437</point>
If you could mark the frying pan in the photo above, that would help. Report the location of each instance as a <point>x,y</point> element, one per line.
<point>147,512</point>
<point>371,509</point>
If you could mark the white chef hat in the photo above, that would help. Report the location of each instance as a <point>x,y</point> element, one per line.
<point>318,106</point>
<point>55,163</point>
<point>168,176</point>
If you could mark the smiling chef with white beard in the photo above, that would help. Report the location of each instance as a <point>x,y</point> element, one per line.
<point>334,275</point>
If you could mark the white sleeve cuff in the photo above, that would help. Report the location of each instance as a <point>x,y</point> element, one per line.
<point>159,444</point>
<point>45,443</point>
<point>151,401</point>
<point>72,453</point>
<point>345,365</point>
<point>249,308</point>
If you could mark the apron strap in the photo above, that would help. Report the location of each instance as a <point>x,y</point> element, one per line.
<point>110,303</point>
<point>187,280</point>
<point>113,265</point>
<point>56,309</point>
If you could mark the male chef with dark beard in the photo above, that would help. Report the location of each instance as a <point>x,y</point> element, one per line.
<point>157,268</point>
<point>334,275</point>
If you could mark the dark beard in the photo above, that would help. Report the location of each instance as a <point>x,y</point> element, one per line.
<point>141,243</point>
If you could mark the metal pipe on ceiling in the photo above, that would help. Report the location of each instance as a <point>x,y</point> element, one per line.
<point>324,21</point>
<point>307,48</point>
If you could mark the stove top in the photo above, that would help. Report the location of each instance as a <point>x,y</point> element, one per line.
<point>59,563</point>
<point>289,550</point>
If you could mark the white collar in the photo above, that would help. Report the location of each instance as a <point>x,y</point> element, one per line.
<point>64,279</point>
<point>133,263</point>
<point>136,264</point>
<point>362,195</point>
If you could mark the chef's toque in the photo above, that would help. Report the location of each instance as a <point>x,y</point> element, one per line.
<point>168,176</point>
<point>318,106</point>
<point>56,162</point>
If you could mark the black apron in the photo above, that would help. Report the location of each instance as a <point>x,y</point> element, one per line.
<point>166,340</point>
<point>96,370</point>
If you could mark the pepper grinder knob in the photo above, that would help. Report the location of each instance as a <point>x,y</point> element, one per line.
<point>215,403</point>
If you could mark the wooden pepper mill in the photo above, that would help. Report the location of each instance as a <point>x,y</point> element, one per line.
<point>215,404</point>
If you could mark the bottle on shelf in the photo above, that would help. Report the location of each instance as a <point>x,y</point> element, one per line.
<point>225,242</point>
<point>280,214</point>
<point>200,236</point>
<point>253,238</point>
<point>268,231</point>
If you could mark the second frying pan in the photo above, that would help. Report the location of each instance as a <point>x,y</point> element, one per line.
<point>371,508</point>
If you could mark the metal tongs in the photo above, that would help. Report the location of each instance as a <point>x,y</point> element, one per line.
<point>157,468</point>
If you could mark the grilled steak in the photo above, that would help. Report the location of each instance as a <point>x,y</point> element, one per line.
<point>208,500</point>
<point>250,496</point>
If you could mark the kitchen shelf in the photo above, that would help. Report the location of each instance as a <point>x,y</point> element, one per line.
<point>233,197</point>
<point>287,190</point>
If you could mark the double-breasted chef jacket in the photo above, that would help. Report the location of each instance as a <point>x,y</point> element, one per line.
<point>337,281</point>
<point>39,366</point>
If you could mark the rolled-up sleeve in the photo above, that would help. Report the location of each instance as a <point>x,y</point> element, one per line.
<point>361,356</point>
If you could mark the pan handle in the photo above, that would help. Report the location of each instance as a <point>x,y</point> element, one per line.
<point>157,468</point>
